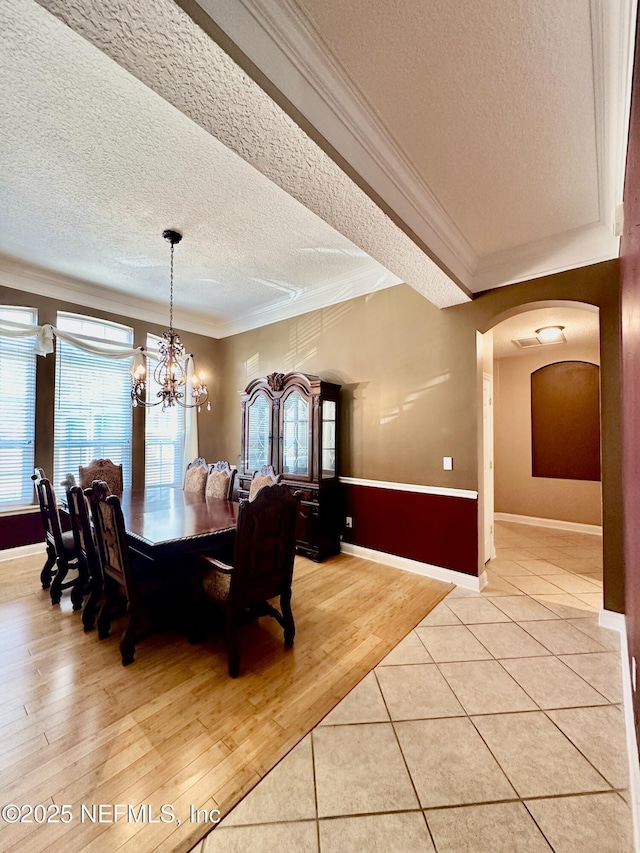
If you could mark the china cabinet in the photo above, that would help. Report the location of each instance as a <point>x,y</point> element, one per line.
<point>290,421</point>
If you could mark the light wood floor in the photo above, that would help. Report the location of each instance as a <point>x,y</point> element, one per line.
<point>78,728</point>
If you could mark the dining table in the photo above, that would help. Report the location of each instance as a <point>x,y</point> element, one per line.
<point>163,523</point>
<point>166,529</point>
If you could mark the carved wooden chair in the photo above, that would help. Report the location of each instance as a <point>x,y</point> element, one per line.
<point>113,550</point>
<point>87,552</point>
<point>195,478</point>
<point>69,481</point>
<point>123,579</point>
<point>265,476</point>
<point>261,569</point>
<point>220,481</point>
<point>104,470</point>
<point>61,548</point>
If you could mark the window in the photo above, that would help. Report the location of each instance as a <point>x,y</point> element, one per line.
<point>164,433</point>
<point>17,425</point>
<point>92,417</point>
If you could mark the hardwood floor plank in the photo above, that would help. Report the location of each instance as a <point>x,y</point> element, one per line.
<point>78,728</point>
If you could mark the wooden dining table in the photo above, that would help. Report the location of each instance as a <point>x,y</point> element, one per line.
<point>164,523</point>
<point>166,528</point>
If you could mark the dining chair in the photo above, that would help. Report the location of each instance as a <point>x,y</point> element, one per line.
<point>60,545</point>
<point>87,552</point>
<point>137,584</point>
<point>220,481</point>
<point>195,478</point>
<point>261,568</point>
<point>113,552</point>
<point>69,481</point>
<point>104,470</point>
<point>265,476</point>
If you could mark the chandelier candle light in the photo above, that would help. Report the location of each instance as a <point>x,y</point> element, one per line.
<point>170,373</point>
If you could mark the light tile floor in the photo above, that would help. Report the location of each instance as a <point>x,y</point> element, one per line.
<point>495,725</point>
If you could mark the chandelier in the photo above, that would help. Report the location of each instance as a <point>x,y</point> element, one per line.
<point>170,375</point>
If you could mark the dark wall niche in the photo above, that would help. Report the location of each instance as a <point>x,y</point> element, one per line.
<point>565,421</point>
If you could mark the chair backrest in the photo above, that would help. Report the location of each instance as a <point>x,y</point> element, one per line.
<point>81,527</point>
<point>264,547</point>
<point>108,523</point>
<point>266,476</point>
<point>104,470</point>
<point>49,514</point>
<point>220,481</point>
<point>195,478</point>
<point>69,481</point>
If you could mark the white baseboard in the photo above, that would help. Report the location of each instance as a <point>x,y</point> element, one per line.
<point>22,551</point>
<point>612,620</point>
<point>573,526</point>
<point>426,569</point>
<point>632,743</point>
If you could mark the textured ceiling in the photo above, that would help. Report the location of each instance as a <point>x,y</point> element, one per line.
<point>97,163</point>
<point>496,131</point>
<point>474,67</point>
<point>489,139</point>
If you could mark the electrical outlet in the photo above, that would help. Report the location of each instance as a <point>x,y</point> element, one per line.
<point>348,522</point>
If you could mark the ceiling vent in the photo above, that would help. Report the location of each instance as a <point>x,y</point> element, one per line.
<point>525,343</point>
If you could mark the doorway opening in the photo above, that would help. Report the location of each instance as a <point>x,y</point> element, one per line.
<point>558,518</point>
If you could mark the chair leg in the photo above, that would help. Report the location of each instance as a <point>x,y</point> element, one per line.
<point>56,584</point>
<point>104,616</point>
<point>128,641</point>
<point>135,612</point>
<point>90,606</point>
<point>233,646</point>
<point>287,617</point>
<point>78,588</point>
<point>46,574</point>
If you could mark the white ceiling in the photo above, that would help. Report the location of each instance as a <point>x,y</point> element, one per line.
<point>493,136</point>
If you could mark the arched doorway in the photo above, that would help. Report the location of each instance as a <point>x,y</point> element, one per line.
<point>511,353</point>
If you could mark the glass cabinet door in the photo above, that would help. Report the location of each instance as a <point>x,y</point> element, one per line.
<point>295,435</point>
<point>328,438</point>
<point>257,438</point>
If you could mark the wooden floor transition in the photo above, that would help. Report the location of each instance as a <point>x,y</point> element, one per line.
<point>79,729</point>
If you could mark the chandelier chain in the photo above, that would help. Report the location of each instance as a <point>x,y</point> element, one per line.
<point>171,292</point>
<point>173,369</point>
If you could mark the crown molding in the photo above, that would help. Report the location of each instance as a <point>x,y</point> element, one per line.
<point>284,46</point>
<point>294,59</point>
<point>338,290</point>
<point>613,28</point>
<point>577,248</point>
<point>27,278</point>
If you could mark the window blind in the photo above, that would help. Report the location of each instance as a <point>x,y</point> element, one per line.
<point>164,433</point>
<point>92,415</point>
<point>17,424</point>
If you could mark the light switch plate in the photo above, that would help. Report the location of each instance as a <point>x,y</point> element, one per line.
<point>447,463</point>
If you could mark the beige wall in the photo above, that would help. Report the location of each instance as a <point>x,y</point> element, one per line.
<point>410,376</point>
<point>516,491</point>
<point>401,364</point>
<point>411,381</point>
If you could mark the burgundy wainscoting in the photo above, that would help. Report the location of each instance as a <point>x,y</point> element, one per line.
<point>22,529</point>
<point>438,529</point>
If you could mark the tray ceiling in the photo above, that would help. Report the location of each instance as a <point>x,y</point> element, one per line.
<point>456,152</point>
